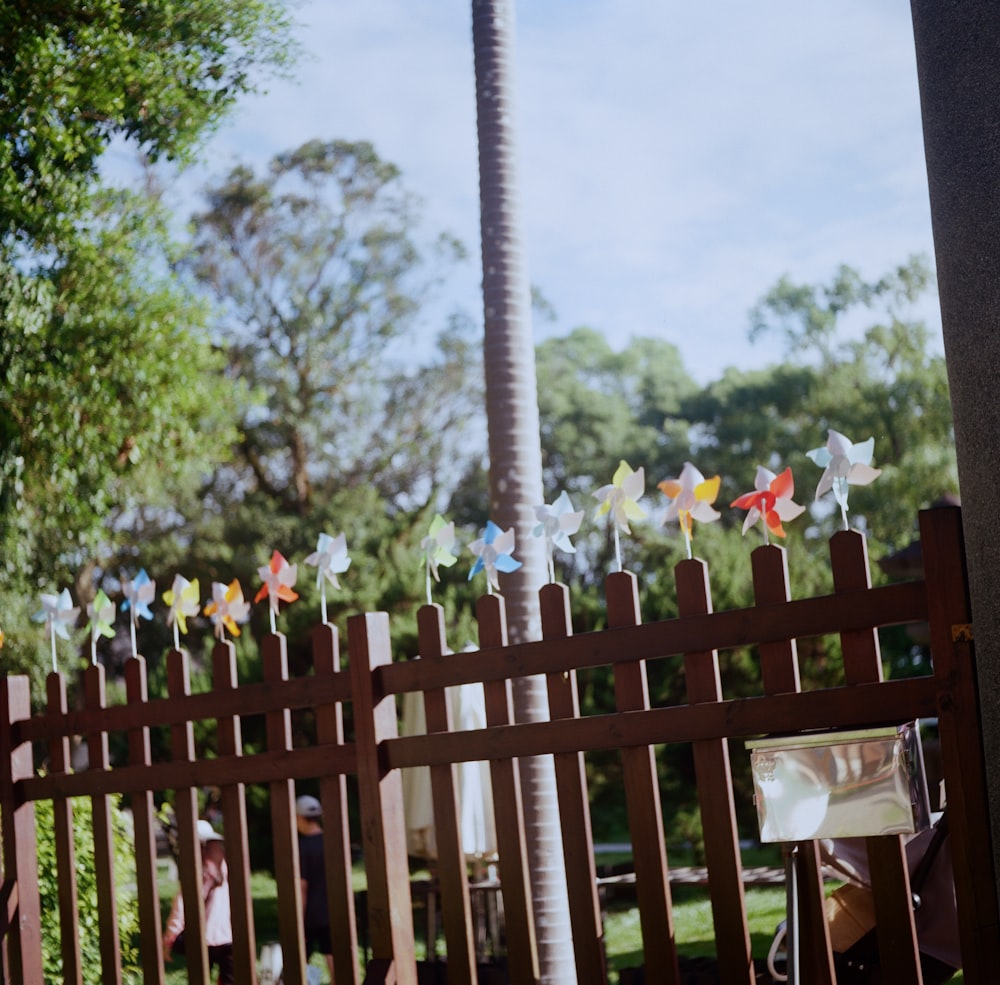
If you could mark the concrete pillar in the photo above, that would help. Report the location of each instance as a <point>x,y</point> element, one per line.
<point>958,65</point>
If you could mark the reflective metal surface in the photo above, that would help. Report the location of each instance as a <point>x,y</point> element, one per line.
<point>840,784</point>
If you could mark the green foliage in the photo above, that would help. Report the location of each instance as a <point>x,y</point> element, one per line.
<point>86,885</point>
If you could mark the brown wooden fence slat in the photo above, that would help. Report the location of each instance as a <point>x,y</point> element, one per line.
<point>186,814</point>
<point>779,664</point>
<point>953,654</point>
<point>284,833</point>
<point>574,805</point>
<point>715,794</point>
<point>508,808</point>
<point>20,917</point>
<point>139,754</point>
<point>104,841</point>
<point>456,909</point>
<point>642,798</point>
<point>234,823</point>
<point>380,794</point>
<point>890,878</point>
<point>336,827</point>
<point>62,817</point>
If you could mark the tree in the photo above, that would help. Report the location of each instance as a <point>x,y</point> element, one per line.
<point>515,452</point>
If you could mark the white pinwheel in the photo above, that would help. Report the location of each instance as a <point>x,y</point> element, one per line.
<point>844,464</point>
<point>330,559</point>
<point>57,612</point>
<point>557,523</point>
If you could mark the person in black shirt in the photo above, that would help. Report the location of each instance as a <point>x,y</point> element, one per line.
<point>315,913</point>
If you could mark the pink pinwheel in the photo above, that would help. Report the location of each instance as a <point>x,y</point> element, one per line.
<point>621,500</point>
<point>227,608</point>
<point>279,578</point>
<point>771,501</point>
<point>844,464</point>
<point>494,552</point>
<point>691,497</point>
<point>330,559</point>
<point>57,612</point>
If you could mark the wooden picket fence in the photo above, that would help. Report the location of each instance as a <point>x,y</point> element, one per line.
<point>376,753</point>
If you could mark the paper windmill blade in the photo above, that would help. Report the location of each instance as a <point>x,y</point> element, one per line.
<point>494,553</point>
<point>771,501</point>
<point>227,608</point>
<point>437,548</point>
<point>57,612</point>
<point>621,500</point>
<point>279,578</point>
<point>330,559</point>
<point>138,592</point>
<point>102,614</point>
<point>557,523</point>
<point>844,464</point>
<point>691,496</point>
<point>183,599</point>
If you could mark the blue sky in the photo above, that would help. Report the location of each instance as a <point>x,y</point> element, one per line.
<point>675,159</point>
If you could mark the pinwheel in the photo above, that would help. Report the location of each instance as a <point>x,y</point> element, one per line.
<point>844,464</point>
<point>437,548</point>
<point>771,501</point>
<point>227,608</point>
<point>330,559</point>
<point>557,523</point>
<point>183,599</point>
<point>279,579</point>
<point>138,592</point>
<point>494,553</point>
<point>620,499</point>
<point>102,615</point>
<point>57,612</point>
<point>691,496</point>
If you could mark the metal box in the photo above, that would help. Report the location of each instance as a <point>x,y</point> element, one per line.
<point>840,784</point>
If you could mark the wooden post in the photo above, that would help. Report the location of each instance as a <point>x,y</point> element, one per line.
<point>139,754</point>
<point>284,830</point>
<point>574,805</point>
<point>336,828</point>
<point>890,876</point>
<point>104,843</point>
<point>642,796</point>
<point>953,654</point>
<point>515,882</point>
<point>234,824</point>
<point>779,670</point>
<point>383,829</point>
<point>715,793</point>
<point>20,906</point>
<point>186,813</point>
<point>455,906</point>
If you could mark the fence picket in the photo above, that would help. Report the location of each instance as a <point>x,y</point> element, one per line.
<point>150,931</point>
<point>715,793</point>
<point>508,805</point>
<point>336,827</point>
<point>779,665</point>
<point>642,797</point>
<point>890,876</point>
<point>455,906</point>
<point>234,823</point>
<point>104,843</point>
<point>574,805</point>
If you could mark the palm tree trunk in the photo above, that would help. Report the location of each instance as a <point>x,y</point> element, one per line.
<point>516,456</point>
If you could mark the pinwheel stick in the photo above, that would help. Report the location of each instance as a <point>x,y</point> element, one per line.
<point>428,583</point>
<point>322,600</point>
<point>274,627</point>
<point>93,647</point>
<point>131,626</point>
<point>552,571</point>
<point>177,636</point>
<point>687,541</point>
<point>618,547</point>
<point>52,637</point>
